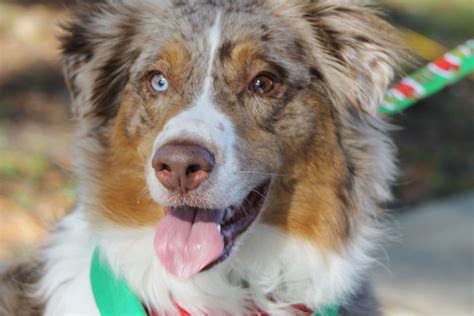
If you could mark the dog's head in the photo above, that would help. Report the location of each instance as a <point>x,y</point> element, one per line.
<point>203,117</point>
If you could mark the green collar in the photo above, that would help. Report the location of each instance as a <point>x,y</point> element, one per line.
<point>114,297</point>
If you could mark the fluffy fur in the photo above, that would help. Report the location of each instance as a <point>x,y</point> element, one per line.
<point>317,137</point>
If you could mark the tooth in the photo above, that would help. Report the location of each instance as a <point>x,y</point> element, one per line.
<point>219,228</point>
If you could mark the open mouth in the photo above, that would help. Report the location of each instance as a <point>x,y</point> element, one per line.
<point>189,240</point>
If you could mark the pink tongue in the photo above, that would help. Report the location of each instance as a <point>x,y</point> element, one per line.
<point>187,240</point>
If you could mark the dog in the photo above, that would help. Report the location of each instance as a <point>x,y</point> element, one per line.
<point>229,155</point>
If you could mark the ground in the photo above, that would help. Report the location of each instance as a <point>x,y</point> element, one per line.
<point>428,268</point>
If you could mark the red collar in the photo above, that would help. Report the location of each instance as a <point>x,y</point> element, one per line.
<point>181,310</point>
<point>301,309</point>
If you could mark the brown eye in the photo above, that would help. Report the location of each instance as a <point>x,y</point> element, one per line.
<point>262,84</point>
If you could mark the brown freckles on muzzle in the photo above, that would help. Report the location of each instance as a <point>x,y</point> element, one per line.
<point>182,168</point>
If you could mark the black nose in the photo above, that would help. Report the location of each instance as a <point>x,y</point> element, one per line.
<point>182,168</point>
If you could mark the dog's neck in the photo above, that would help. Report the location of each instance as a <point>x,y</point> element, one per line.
<point>268,269</point>
<point>113,296</point>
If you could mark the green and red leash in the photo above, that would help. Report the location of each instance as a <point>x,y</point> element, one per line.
<point>113,296</point>
<point>450,68</point>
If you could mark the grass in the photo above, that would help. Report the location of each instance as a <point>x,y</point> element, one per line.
<point>15,165</point>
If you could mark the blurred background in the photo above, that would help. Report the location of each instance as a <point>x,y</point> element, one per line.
<point>427,270</point>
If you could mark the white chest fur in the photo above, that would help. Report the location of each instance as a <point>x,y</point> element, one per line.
<point>268,269</point>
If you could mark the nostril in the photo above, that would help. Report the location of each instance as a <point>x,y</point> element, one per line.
<point>164,167</point>
<point>193,169</point>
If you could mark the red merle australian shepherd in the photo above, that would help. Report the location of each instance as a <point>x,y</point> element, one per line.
<point>230,158</point>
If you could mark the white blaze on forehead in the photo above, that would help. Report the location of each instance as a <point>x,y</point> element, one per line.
<point>213,40</point>
<point>203,116</point>
<point>201,119</point>
<point>204,124</point>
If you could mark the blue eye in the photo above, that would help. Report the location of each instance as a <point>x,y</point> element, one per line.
<point>158,82</point>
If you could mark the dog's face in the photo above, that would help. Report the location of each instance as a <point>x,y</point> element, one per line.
<point>204,118</point>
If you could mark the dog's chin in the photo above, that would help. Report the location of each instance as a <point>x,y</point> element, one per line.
<point>189,240</point>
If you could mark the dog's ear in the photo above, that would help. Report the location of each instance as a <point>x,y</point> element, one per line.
<point>98,51</point>
<point>361,50</point>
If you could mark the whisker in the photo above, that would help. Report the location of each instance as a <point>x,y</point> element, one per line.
<point>265,173</point>
<point>242,206</point>
<point>142,193</point>
<point>261,195</point>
